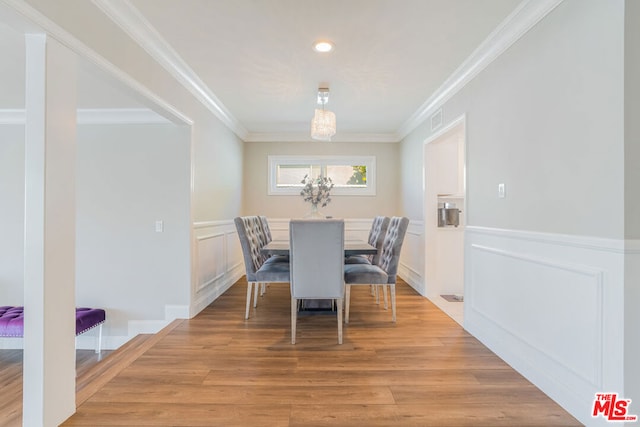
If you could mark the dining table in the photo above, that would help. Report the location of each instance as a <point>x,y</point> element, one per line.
<point>351,247</point>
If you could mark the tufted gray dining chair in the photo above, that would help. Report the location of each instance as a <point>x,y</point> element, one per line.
<point>385,270</point>
<point>257,269</point>
<point>317,265</point>
<point>376,238</point>
<point>265,228</point>
<point>265,238</point>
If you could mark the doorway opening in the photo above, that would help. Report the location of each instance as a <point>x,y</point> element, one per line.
<point>444,214</point>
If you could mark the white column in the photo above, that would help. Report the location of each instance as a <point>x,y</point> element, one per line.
<point>49,238</point>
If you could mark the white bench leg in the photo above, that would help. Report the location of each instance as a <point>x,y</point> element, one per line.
<point>99,340</point>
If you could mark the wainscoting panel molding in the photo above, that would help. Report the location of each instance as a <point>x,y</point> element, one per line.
<point>552,307</point>
<point>411,267</point>
<point>218,261</point>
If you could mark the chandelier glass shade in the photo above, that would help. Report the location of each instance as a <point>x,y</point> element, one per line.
<point>323,125</point>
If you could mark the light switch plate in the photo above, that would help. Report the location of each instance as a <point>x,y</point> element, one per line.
<point>159,226</point>
<point>501,191</point>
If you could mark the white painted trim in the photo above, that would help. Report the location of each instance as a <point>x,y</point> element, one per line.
<point>339,137</point>
<point>12,117</point>
<point>436,119</point>
<point>213,223</point>
<point>209,282</point>
<point>96,116</point>
<point>318,160</point>
<point>632,246</point>
<point>591,265</point>
<point>133,23</point>
<point>412,277</point>
<point>586,242</point>
<point>409,269</point>
<point>54,30</point>
<point>596,274</point>
<point>516,25</point>
<point>416,228</point>
<point>461,120</point>
<point>210,236</point>
<point>203,294</point>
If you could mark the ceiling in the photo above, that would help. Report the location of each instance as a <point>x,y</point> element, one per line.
<point>256,56</point>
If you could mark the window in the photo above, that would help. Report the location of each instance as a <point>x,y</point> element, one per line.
<point>351,175</point>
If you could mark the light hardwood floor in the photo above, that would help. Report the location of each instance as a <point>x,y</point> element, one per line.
<point>221,370</point>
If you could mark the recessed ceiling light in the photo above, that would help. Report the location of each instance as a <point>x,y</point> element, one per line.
<point>323,46</point>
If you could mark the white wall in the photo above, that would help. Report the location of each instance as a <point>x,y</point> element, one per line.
<point>545,118</point>
<point>257,201</point>
<point>542,289</point>
<point>218,165</point>
<point>11,214</point>
<point>129,177</point>
<point>217,152</point>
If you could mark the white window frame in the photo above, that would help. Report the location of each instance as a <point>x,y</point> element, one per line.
<point>368,161</point>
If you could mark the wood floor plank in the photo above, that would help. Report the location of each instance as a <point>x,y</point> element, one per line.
<point>336,378</point>
<point>181,414</point>
<point>452,414</point>
<point>124,393</point>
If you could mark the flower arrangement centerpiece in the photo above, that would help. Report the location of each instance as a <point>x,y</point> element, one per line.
<point>317,191</point>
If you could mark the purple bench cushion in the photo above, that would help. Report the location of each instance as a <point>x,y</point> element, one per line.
<point>87,318</point>
<point>12,320</point>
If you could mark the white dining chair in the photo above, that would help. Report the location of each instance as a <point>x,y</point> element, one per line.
<point>316,265</point>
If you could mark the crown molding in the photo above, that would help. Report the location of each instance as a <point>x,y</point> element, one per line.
<point>12,117</point>
<point>130,20</point>
<point>133,23</point>
<point>54,30</point>
<point>94,116</point>
<point>305,137</point>
<point>517,24</point>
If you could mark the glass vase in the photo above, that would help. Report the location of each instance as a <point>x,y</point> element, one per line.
<point>314,213</point>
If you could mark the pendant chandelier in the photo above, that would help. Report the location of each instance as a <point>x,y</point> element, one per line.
<point>323,124</point>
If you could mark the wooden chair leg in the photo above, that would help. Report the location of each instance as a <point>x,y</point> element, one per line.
<point>339,303</point>
<point>347,301</point>
<point>294,318</point>
<point>393,301</point>
<point>246,313</point>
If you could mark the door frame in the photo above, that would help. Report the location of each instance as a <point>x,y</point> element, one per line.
<point>429,214</point>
